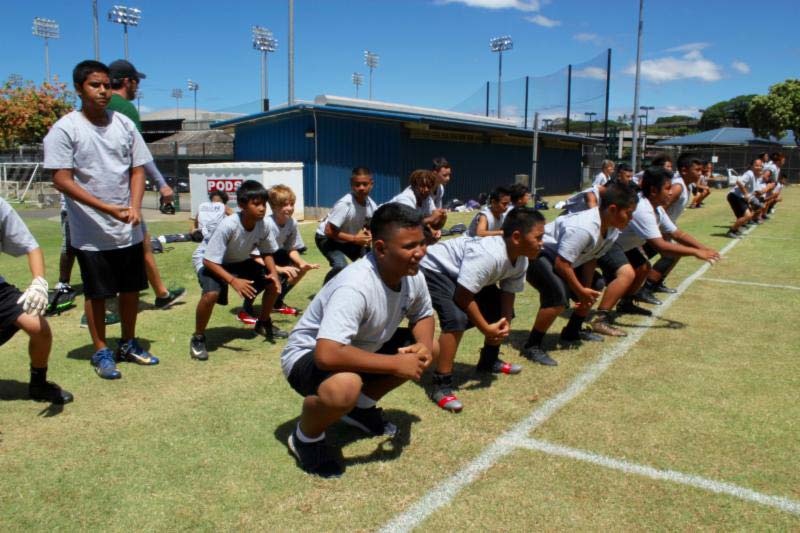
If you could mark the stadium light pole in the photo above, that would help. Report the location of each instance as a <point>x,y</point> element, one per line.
<point>500,45</point>
<point>358,81</point>
<point>590,114</point>
<point>127,16</point>
<point>646,110</point>
<point>177,94</point>
<point>371,60</point>
<point>290,99</point>
<point>193,86</point>
<point>264,42</point>
<point>635,133</point>
<point>46,29</point>
<point>96,31</point>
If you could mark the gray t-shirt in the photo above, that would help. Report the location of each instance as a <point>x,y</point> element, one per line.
<point>476,263</point>
<point>647,223</point>
<point>577,202</point>
<point>438,196</point>
<point>493,223</point>
<point>748,179</point>
<point>209,215</point>
<point>287,236</point>
<point>577,237</point>
<point>676,209</point>
<point>600,179</point>
<point>231,243</point>
<point>407,197</point>
<point>348,215</point>
<point>100,159</point>
<point>356,308</point>
<point>15,237</point>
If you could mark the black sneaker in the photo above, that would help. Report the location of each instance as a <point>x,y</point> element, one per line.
<point>627,307</point>
<point>49,392</point>
<point>660,287</point>
<point>269,331</point>
<point>370,420</point>
<point>197,348</point>
<point>499,367</point>
<point>315,457</point>
<point>173,295</point>
<point>537,355</point>
<point>733,234</point>
<point>583,335</point>
<point>647,297</point>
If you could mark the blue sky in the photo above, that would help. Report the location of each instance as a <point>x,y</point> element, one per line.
<point>433,52</point>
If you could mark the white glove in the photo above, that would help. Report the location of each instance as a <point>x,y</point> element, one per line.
<point>34,300</point>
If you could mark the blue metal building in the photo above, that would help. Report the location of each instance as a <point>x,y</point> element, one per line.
<point>333,135</point>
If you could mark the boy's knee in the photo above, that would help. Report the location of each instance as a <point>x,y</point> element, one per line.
<point>341,390</point>
<point>626,274</point>
<point>35,326</point>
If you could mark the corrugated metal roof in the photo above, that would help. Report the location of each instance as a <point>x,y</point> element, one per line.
<point>726,137</point>
<point>396,112</point>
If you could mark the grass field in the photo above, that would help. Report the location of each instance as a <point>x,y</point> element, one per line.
<point>609,439</point>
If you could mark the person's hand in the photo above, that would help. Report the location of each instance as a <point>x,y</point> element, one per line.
<point>587,297</point>
<point>498,331</point>
<point>712,256</point>
<point>422,352</point>
<point>134,216</point>
<point>120,212</point>
<point>34,300</point>
<point>290,272</point>
<point>167,194</point>
<point>363,238</point>
<point>243,287</point>
<point>409,365</point>
<point>305,267</point>
<point>273,278</point>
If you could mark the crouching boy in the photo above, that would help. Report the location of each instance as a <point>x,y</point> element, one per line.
<point>347,351</point>
<point>463,277</point>
<point>25,310</point>
<point>224,259</point>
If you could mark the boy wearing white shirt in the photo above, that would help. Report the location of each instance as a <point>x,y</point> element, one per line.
<point>347,351</point>
<point>489,220</point>
<point>441,167</point>
<point>418,196</point>
<point>344,233</point>
<point>462,277</point>
<point>741,197</point>
<point>566,268</point>
<point>605,173</point>
<point>25,311</point>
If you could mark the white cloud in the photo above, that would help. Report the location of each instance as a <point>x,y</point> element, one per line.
<point>688,47</point>
<point>541,20</point>
<point>690,66</point>
<point>521,5</point>
<point>587,37</point>
<point>741,67</point>
<point>595,73</point>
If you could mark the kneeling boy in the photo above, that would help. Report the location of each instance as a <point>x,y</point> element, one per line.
<point>24,310</point>
<point>347,351</point>
<point>224,259</point>
<point>462,277</point>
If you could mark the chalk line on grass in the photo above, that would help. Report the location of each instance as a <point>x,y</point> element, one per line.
<point>445,491</point>
<point>711,485</point>
<point>752,283</point>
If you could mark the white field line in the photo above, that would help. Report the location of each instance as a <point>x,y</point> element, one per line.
<point>752,283</point>
<point>778,238</point>
<point>711,485</point>
<point>445,491</point>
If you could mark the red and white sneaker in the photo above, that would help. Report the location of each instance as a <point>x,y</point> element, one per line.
<point>246,318</point>
<point>286,310</point>
<point>446,399</point>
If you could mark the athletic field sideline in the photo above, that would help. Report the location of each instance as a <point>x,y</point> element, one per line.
<point>689,422</point>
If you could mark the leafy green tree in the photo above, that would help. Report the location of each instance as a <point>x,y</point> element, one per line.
<point>731,112</point>
<point>674,118</point>
<point>27,112</point>
<point>777,111</point>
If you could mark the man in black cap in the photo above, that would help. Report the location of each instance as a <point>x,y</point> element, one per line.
<point>124,84</point>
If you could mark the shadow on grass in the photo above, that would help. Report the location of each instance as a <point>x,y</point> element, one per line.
<point>659,323</point>
<point>217,338</point>
<point>464,377</point>
<point>11,389</point>
<point>339,435</point>
<point>718,235</point>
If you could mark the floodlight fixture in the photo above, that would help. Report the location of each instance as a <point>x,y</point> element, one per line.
<point>127,16</point>
<point>371,60</point>
<point>500,45</point>
<point>46,29</point>
<point>177,94</point>
<point>646,117</point>
<point>590,114</point>
<point>358,81</point>
<point>265,42</point>
<point>193,87</point>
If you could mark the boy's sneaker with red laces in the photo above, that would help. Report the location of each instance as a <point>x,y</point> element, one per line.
<point>500,367</point>
<point>286,310</point>
<point>246,318</point>
<point>445,398</point>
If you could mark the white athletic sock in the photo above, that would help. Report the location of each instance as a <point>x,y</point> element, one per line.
<point>365,402</point>
<point>305,439</point>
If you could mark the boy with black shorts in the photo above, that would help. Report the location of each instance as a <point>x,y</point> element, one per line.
<point>489,220</point>
<point>463,276</point>
<point>743,198</point>
<point>225,259</point>
<point>344,233</point>
<point>347,352</point>
<point>97,157</point>
<point>566,267</point>
<point>25,310</point>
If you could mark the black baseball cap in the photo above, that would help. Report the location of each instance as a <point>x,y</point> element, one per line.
<point>121,69</point>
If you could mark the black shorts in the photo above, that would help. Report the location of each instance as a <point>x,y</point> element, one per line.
<point>106,273</point>
<point>553,291</point>
<point>612,261</point>
<point>282,259</point>
<point>738,204</point>
<point>10,311</point>
<point>636,258</point>
<point>305,377</point>
<point>452,318</point>
<point>247,269</point>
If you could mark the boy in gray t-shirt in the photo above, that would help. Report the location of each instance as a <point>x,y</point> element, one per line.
<point>347,352</point>
<point>225,258</point>
<point>97,157</point>
<point>25,311</point>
